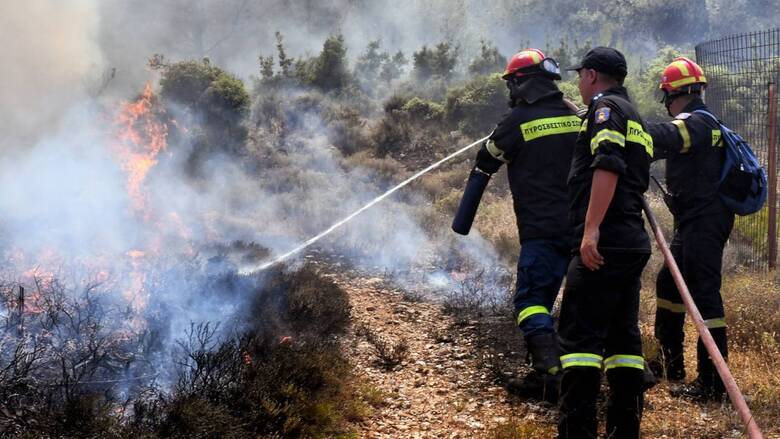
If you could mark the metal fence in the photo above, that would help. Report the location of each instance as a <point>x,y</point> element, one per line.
<point>743,72</point>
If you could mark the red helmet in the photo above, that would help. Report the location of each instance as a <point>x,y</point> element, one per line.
<point>521,61</point>
<point>681,73</point>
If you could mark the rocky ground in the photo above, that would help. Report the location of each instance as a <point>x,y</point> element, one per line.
<point>443,384</point>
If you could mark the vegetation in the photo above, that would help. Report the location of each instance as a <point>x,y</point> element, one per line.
<point>282,376</point>
<point>216,99</point>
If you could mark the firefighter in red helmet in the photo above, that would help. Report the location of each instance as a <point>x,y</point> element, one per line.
<point>535,140</point>
<point>691,144</point>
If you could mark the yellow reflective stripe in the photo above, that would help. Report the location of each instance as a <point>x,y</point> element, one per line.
<point>634,361</point>
<point>715,323</point>
<point>607,136</point>
<point>716,137</point>
<point>638,135</point>
<point>682,66</point>
<point>531,310</point>
<point>686,136</point>
<point>685,81</point>
<point>549,126</point>
<point>495,151</point>
<point>670,306</point>
<point>584,126</point>
<point>581,359</point>
<point>534,56</point>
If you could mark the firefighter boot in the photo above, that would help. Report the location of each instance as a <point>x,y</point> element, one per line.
<point>538,386</point>
<point>669,363</point>
<point>649,379</point>
<point>579,392</point>
<point>545,356</point>
<point>708,387</point>
<point>626,402</point>
<point>543,382</point>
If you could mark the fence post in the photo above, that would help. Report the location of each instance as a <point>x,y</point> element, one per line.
<point>772,171</point>
<point>20,310</point>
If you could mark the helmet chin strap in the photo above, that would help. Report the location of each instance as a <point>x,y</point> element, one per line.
<point>669,98</point>
<point>668,103</point>
<point>512,85</point>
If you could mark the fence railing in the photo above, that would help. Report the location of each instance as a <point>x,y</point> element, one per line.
<point>743,73</point>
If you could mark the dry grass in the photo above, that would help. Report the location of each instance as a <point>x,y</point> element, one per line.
<point>752,305</point>
<point>386,169</point>
<point>496,222</point>
<point>522,429</point>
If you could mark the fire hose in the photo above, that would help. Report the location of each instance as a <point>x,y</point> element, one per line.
<point>310,241</point>
<point>735,395</point>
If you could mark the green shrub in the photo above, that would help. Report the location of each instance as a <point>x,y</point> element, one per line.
<point>202,87</point>
<point>423,110</point>
<point>329,70</point>
<point>489,60</point>
<point>438,61</point>
<point>216,102</point>
<point>476,106</point>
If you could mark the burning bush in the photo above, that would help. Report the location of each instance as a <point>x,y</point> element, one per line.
<point>70,368</point>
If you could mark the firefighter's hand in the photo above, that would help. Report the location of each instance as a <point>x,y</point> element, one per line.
<point>589,253</point>
<point>487,163</point>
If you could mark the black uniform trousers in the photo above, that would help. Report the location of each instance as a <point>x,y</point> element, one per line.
<point>599,330</point>
<point>697,248</point>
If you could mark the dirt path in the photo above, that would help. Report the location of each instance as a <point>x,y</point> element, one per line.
<point>439,389</point>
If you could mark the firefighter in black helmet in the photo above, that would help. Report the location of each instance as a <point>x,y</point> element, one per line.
<point>694,153</point>
<point>599,313</point>
<point>535,140</point>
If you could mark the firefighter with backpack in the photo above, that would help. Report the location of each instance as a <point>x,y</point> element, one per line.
<point>693,147</point>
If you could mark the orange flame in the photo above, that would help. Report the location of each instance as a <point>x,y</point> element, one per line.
<point>136,293</point>
<point>142,136</point>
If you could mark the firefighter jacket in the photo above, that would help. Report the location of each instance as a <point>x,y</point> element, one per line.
<point>535,139</point>
<point>613,138</point>
<point>694,153</point>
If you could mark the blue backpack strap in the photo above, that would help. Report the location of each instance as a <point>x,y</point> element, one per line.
<point>707,113</point>
<point>725,131</point>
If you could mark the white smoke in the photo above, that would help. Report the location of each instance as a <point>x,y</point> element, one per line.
<point>50,63</point>
<point>64,191</point>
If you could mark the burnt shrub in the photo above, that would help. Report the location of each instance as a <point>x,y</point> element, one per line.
<point>278,371</point>
<point>284,377</point>
<point>302,302</point>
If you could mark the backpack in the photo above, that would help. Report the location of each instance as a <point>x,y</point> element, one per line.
<point>743,182</point>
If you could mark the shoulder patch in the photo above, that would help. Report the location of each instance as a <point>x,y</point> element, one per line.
<point>683,116</point>
<point>602,115</point>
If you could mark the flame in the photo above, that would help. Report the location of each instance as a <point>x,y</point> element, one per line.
<point>141,137</point>
<point>136,292</point>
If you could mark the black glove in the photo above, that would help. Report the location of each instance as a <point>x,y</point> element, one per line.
<point>486,162</point>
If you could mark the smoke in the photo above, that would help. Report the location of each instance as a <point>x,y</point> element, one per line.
<point>232,33</point>
<point>50,63</point>
<point>65,197</point>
